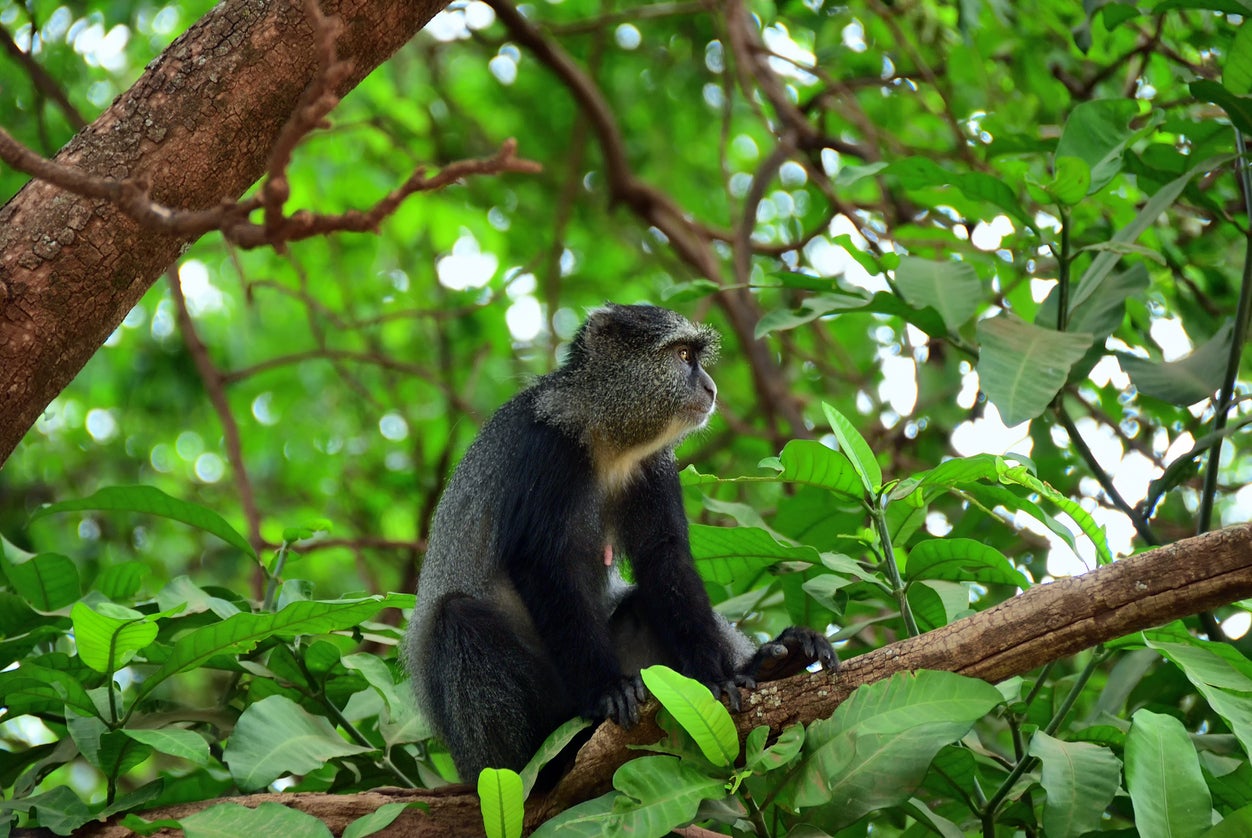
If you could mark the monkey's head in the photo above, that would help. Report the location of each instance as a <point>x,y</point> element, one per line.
<point>633,381</point>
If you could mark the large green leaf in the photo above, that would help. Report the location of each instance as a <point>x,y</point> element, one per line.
<point>809,462</point>
<point>1163,777</point>
<point>1237,68</point>
<point>691,704</point>
<point>1187,380</point>
<point>184,744</point>
<point>269,818</point>
<point>962,560</point>
<point>876,748</point>
<point>33,688</point>
<point>47,582</point>
<point>728,554</point>
<point>500,797</point>
<point>152,501</point>
<point>1081,780</point>
<point>1022,367</point>
<point>1097,132</point>
<point>950,288</point>
<point>242,632</point>
<point>921,173</point>
<point>664,793</point>
<point>108,636</point>
<point>1218,671</point>
<point>1102,312</point>
<point>852,444</point>
<point>1104,262</point>
<point>276,736</point>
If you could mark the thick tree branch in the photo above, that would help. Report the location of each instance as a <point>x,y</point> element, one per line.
<point>196,130</point>
<point>1044,624</point>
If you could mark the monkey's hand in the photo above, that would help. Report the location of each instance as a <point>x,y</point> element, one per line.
<point>794,650</point>
<point>620,701</point>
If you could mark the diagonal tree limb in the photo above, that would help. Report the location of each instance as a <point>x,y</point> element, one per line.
<point>1044,624</point>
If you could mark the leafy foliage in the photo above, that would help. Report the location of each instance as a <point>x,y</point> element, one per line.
<point>951,220</point>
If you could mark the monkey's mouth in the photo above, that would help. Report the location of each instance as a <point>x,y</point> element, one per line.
<point>700,412</point>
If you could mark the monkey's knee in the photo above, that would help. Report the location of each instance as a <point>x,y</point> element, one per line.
<point>477,669</point>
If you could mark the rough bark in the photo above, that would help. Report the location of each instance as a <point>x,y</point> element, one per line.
<point>198,126</point>
<point>1044,624</point>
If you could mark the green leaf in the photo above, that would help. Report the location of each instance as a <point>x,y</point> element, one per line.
<point>242,632</point>
<point>759,758</point>
<point>108,636</point>
<point>920,173</point>
<point>1022,367</point>
<point>1237,68</point>
<point>962,560</point>
<point>1081,780</point>
<point>152,501</point>
<point>1104,262</point>
<point>551,747</point>
<point>121,581</point>
<point>276,736</point>
<point>664,794</point>
<point>1237,108</point>
<point>1185,381</point>
<point>809,462</point>
<point>1070,181</point>
<point>950,288</point>
<point>231,819</point>
<point>818,305</point>
<point>500,798</point>
<point>589,819</point>
<point>1163,777</point>
<point>33,689</point>
<point>857,450</point>
<point>1238,824</point>
<point>693,706</point>
<point>876,748</point>
<point>59,810</point>
<point>726,554</point>
<point>1219,672</point>
<point>47,582</point>
<point>1103,311</point>
<point>1021,476</point>
<point>1097,133</point>
<point>378,820</point>
<point>184,744</point>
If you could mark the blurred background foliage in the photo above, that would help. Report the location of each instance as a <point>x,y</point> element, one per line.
<point>813,143</point>
<point>358,367</point>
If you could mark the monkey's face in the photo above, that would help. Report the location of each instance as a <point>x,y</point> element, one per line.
<point>697,386</point>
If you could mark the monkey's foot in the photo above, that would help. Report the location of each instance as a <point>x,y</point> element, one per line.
<point>793,651</point>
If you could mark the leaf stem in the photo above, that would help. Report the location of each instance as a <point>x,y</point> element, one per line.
<point>878,511</point>
<point>1062,274</point>
<point>1226,396</point>
<point>1028,762</point>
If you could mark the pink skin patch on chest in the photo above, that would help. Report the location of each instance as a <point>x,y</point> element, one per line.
<point>608,555</point>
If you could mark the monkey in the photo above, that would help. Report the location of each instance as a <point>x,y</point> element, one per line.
<point>523,619</point>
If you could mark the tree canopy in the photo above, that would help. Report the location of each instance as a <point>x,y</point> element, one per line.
<point>982,276</point>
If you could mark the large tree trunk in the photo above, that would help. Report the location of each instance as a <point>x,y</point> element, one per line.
<point>198,126</point>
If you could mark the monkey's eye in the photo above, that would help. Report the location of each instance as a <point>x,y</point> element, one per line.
<point>686,354</point>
